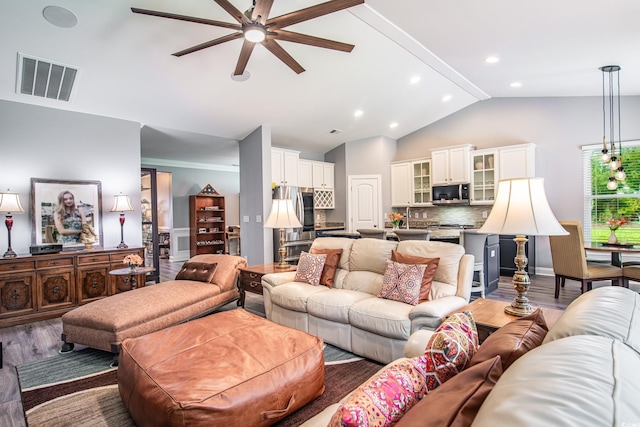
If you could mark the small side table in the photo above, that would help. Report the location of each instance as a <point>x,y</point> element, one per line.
<point>133,274</point>
<point>489,315</point>
<point>251,278</point>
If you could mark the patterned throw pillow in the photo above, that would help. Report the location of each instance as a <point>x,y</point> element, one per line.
<point>450,348</point>
<point>310,268</point>
<point>429,272</point>
<point>385,398</point>
<point>402,282</point>
<point>330,265</point>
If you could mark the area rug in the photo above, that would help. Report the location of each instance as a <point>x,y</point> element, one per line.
<point>80,388</point>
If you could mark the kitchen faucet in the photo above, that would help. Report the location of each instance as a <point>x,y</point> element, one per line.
<point>407,216</point>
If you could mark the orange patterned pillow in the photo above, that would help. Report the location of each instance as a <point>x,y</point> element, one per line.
<point>330,265</point>
<point>401,282</point>
<point>429,272</point>
<point>310,268</point>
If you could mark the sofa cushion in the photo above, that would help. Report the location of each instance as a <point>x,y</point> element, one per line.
<point>581,380</point>
<point>294,295</point>
<point>513,340</point>
<point>450,348</point>
<point>310,268</point>
<point>197,271</point>
<point>334,305</point>
<point>330,265</point>
<point>382,317</point>
<point>336,243</point>
<point>363,281</point>
<point>449,254</point>
<point>607,311</point>
<point>370,255</point>
<point>402,282</point>
<point>385,398</point>
<point>430,271</point>
<point>456,402</point>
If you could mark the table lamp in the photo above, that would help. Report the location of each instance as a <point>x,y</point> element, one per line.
<point>521,208</point>
<point>121,204</point>
<point>9,204</point>
<point>282,216</point>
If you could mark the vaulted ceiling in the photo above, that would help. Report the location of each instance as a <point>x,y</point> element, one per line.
<point>190,104</point>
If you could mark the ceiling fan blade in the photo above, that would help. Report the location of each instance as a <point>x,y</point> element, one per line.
<point>290,36</point>
<point>262,9</point>
<point>245,53</point>
<point>186,18</point>
<point>282,54</point>
<point>310,13</point>
<point>231,10</point>
<point>210,43</point>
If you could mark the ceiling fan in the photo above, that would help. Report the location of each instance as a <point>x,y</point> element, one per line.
<point>255,27</point>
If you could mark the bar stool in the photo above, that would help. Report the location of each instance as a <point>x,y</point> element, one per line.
<point>474,244</point>
<point>412,234</point>
<point>371,233</point>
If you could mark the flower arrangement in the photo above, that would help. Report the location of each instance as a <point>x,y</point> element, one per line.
<point>132,260</point>
<point>395,218</point>
<point>615,223</point>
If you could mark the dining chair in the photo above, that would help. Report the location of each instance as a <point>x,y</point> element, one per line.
<point>371,233</point>
<point>412,234</point>
<point>569,260</point>
<point>474,244</point>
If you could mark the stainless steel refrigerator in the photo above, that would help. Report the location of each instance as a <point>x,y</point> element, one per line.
<point>296,239</point>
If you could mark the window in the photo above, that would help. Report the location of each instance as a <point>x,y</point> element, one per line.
<point>601,203</point>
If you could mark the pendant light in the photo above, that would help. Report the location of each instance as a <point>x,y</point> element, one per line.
<point>611,94</point>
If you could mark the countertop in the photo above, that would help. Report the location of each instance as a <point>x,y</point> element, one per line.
<point>436,234</point>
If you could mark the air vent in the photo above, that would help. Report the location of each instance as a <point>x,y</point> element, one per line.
<point>335,131</point>
<point>41,77</point>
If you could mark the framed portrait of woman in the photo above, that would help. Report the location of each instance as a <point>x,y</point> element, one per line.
<point>66,212</point>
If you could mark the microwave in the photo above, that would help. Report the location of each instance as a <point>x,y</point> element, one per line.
<point>450,194</point>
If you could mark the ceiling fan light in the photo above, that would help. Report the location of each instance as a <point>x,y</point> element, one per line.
<point>254,33</point>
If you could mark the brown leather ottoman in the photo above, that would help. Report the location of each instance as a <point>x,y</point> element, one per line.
<point>228,369</point>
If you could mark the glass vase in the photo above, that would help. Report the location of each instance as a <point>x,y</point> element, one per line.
<point>613,239</point>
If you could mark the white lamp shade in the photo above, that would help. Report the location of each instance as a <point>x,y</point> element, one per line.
<point>10,203</point>
<point>122,203</point>
<point>521,207</point>
<point>282,215</point>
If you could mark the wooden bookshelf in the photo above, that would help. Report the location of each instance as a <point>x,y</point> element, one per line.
<point>207,224</point>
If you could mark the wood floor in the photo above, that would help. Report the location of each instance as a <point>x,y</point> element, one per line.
<point>38,340</point>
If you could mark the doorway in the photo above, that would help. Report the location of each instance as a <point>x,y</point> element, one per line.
<point>364,201</point>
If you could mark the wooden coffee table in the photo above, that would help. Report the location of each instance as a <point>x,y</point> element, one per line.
<point>490,316</point>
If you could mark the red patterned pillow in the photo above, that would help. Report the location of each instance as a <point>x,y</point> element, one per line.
<point>385,398</point>
<point>310,268</point>
<point>450,348</point>
<point>402,282</point>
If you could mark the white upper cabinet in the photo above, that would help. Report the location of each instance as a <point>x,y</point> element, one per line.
<point>284,166</point>
<point>401,177</point>
<point>450,165</point>
<point>322,173</point>
<point>517,161</point>
<point>305,173</point>
<point>484,176</point>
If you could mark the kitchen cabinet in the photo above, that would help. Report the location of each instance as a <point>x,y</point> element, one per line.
<point>322,173</point>
<point>421,182</point>
<point>492,263</point>
<point>207,224</point>
<point>401,176</point>
<point>450,165</point>
<point>284,166</point>
<point>305,173</point>
<point>517,161</point>
<point>484,175</point>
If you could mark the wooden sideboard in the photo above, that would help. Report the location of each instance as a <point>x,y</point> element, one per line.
<point>38,287</point>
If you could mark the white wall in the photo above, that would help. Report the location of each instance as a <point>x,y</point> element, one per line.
<point>40,142</point>
<point>558,126</point>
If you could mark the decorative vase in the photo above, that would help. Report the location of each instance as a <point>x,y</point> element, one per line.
<point>613,239</point>
<point>132,267</point>
<point>395,225</point>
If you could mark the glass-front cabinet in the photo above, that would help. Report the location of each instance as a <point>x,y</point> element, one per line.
<point>421,182</point>
<point>485,176</point>
<point>149,209</point>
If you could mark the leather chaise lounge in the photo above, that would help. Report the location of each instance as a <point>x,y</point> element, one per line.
<point>205,283</point>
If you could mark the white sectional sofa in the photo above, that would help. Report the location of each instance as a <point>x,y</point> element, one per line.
<point>350,315</point>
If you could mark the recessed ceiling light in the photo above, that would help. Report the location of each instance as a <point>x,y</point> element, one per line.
<point>59,16</point>
<point>516,84</point>
<point>393,125</point>
<point>446,98</point>
<point>491,59</point>
<point>358,113</point>
<point>414,80</point>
